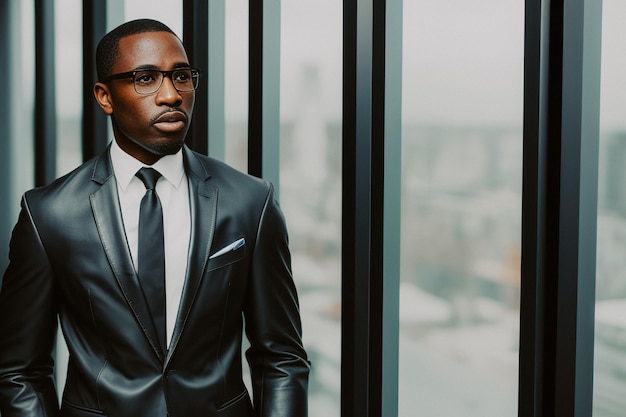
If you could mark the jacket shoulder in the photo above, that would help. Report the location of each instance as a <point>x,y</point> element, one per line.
<point>224,175</point>
<point>67,187</point>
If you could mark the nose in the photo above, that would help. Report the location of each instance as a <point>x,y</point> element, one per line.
<point>168,94</point>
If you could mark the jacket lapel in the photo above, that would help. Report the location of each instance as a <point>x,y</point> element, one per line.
<point>107,215</point>
<point>203,205</point>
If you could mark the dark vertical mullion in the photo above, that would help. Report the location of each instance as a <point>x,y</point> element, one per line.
<point>377,199</point>
<point>562,76</point>
<point>550,142</point>
<point>95,133</point>
<point>582,31</point>
<point>356,216</point>
<point>255,88</point>
<point>264,89</point>
<point>351,370</point>
<point>530,366</point>
<point>196,39</point>
<point>370,210</point>
<point>45,104</point>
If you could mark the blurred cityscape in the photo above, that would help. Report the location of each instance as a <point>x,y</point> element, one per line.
<point>610,330</point>
<point>461,222</point>
<point>459,295</point>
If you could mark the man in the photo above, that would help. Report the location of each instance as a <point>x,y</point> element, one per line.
<point>140,344</point>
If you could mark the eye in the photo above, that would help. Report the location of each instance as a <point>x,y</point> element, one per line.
<point>146,77</point>
<point>182,76</point>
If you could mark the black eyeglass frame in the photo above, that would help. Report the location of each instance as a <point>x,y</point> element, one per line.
<point>195,77</point>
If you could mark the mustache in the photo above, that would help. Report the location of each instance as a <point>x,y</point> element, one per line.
<point>171,113</point>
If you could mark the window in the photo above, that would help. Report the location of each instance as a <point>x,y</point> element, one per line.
<point>462,146</point>
<point>310,182</point>
<point>461,207</point>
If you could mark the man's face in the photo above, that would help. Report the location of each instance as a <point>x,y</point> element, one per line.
<point>153,125</point>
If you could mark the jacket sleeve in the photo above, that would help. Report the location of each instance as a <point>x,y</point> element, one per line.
<point>278,361</point>
<point>28,322</point>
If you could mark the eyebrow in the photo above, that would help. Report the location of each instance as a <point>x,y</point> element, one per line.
<point>154,67</point>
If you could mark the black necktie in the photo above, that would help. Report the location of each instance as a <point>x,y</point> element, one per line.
<point>151,252</point>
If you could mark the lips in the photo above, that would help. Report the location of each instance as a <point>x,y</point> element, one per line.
<point>171,121</point>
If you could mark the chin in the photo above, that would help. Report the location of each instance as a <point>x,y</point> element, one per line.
<point>168,148</point>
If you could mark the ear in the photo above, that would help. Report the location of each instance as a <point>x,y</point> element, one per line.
<point>102,94</point>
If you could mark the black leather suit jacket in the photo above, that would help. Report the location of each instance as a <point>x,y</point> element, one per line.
<point>69,256</point>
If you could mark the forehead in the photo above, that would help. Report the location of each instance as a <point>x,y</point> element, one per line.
<point>161,50</point>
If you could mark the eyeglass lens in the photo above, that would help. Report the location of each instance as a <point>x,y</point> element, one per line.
<point>149,81</point>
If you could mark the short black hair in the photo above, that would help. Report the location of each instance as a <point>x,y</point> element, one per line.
<point>108,49</point>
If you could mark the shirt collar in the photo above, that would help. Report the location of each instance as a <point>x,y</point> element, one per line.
<point>126,166</point>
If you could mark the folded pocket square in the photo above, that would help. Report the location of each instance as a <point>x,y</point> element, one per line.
<point>229,248</point>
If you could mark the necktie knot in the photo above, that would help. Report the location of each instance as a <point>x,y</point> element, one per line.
<point>149,177</point>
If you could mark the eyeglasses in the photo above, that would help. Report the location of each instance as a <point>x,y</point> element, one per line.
<point>149,81</point>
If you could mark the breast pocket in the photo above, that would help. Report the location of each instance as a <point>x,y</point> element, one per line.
<point>228,254</point>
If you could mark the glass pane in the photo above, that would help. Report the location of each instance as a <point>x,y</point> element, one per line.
<point>461,207</point>
<point>236,84</point>
<point>17,143</point>
<point>610,343</point>
<point>169,12</point>
<point>310,182</point>
<point>69,86</point>
<point>22,93</point>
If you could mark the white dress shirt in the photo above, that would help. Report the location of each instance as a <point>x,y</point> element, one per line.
<point>173,191</point>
